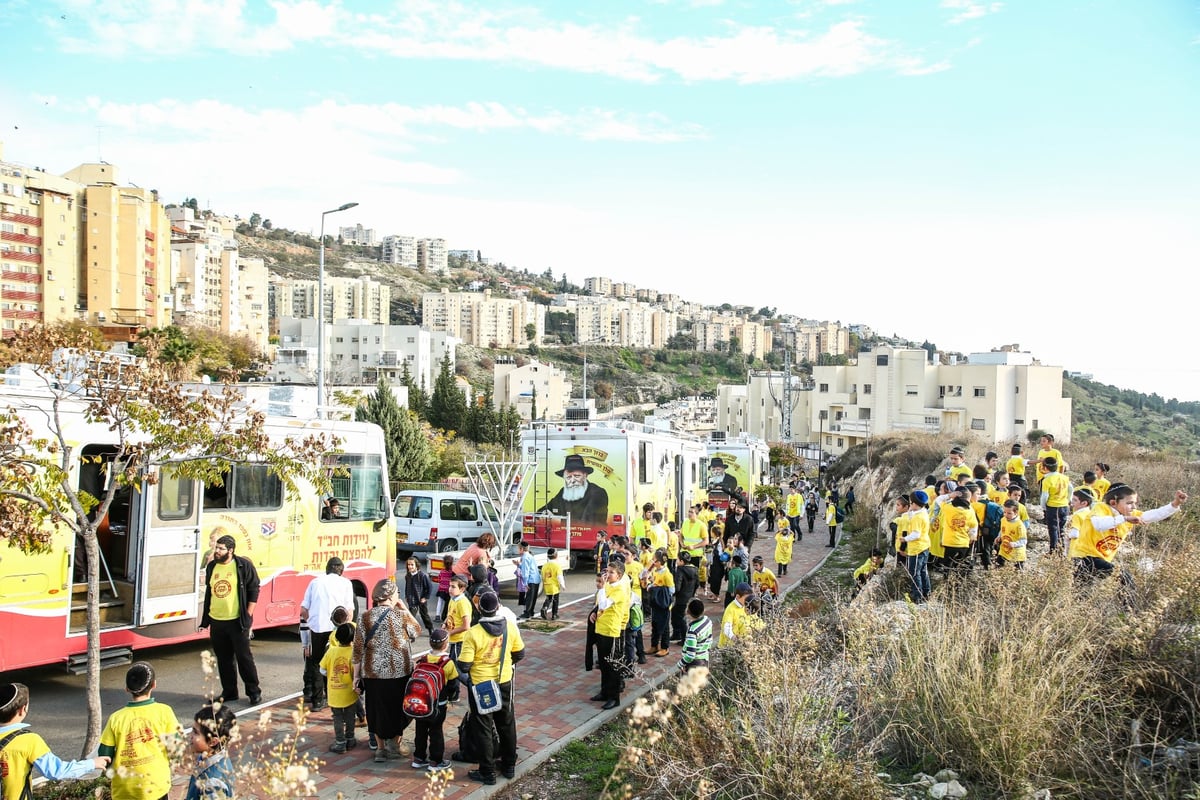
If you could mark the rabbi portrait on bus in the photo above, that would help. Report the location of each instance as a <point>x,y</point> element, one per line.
<point>579,497</point>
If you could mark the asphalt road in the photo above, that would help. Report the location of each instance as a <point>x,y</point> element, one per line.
<point>58,704</point>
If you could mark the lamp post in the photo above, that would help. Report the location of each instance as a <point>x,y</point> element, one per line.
<point>321,310</point>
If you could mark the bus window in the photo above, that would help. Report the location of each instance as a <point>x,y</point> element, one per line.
<point>246,487</point>
<point>174,497</point>
<point>357,483</point>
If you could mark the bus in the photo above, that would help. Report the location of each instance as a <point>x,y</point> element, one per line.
<point>154,542</point>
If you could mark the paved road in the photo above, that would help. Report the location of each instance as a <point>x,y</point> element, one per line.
<point>57,708</point>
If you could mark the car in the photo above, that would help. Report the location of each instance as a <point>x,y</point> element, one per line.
<point>443,521</point>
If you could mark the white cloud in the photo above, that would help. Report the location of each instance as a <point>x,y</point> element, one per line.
<point>970,9</point>
<point>456,31</point>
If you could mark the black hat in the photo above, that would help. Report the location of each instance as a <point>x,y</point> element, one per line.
<point>718,463</point>
<point>438,636</point>
<point>574,463</point>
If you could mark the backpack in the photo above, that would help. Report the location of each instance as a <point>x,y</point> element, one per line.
<point>26,791</point>
<point>992,516</point>
<point>839,515</point>
<point>661,597</point>
<point>425,686</point>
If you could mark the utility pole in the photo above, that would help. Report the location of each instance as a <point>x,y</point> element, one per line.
<point>787,396</point>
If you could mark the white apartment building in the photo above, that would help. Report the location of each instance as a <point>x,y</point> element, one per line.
<point>598,286</point>
<point>715,333</point>
<point>345,298</point>
<point>357,234</point>
<point>623,323</point>
<point>808,339</point>
<point>358,352</point>
<point>400,250</point>
<point>465,255</point>
<point>432,256</point>
<point>213,285</point>
<point>481,320</point>
<point>998,397</point>
<point>533,383</point>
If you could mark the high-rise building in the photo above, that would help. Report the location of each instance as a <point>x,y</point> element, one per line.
<point>481,320</point>
<point>431,256</point>
<point>40,247</point>
<point>345,298</point>
<point>357,234</point>
<point>400,250</point>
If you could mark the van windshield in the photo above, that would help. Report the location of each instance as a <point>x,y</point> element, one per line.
<point>414,507</point>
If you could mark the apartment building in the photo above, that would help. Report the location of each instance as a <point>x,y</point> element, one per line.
<point>40,247</point>
<point>432,256</point>
<point>715,334</point>
<point>622,323</point>
<point>808,339</point>
<point>345,298</point>
<point>126,253</point>
<point>359,352</point>
<point>481,320</point>
<point>357,234</point>
<point>400,250</point>
<point>998,397</point>
<point>598,286</point>
<point>530,384</point>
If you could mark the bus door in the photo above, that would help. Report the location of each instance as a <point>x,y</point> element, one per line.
<point>169,547</point>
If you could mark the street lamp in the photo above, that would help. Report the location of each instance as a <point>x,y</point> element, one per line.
<point>321,310</point>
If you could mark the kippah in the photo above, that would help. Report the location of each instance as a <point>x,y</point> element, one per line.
<point>489,603</point>
<point>438,635</point>
<point>8,693</point>
<point>228,541</point>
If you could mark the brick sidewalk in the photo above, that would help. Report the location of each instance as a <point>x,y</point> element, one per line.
<point>552,691</point>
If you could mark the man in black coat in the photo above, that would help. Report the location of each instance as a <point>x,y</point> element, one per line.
<point>741,523</point>
<point>579,497</point>
<point>231,593</point>
<point>687,581</point>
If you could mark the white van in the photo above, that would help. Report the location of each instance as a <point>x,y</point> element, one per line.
<point>441,521</point>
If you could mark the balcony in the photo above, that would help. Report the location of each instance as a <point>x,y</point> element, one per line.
<point>13,255</point>
<point>10,294</point>
<point>149,295</point>
<point>149,280</point>
<point>149,264</point>
<point>21,238</point>
<point>31,315</point>
<point>150,237</point>
<point>25,219</point>
<point>23,277</point>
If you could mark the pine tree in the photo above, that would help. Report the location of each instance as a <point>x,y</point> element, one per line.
<point>510,428</point>
<point>447,405</point>
<point>418,402</point>
<point>487,421</point>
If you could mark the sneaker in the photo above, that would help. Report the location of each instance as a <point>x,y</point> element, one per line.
<point>662,652</point>
<point>371,743</point>
<point>419,763</point>
<point>439,767</point>
<point>338,747</point>
<point>486,780</point>
<point>543,613</point>
<point>380,756</point>
<point>351,744</point>
<point>508,772</point>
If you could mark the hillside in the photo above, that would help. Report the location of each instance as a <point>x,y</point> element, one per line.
<point>621,376</point>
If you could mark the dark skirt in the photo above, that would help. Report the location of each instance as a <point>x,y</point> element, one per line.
<point>385,706</point>
<point>716,575</point>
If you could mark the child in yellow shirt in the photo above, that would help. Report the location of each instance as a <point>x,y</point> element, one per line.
<point>1013,537</point>
<point>552,582</point>
<point>337,665</point>
<point>134,738</point>
<point>868,569</point>
<point>783,545</point>
<point>764,581</point>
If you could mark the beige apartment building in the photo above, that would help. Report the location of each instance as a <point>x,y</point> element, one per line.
<point>997,397</point>
<point>40,269</point>
<point>126,241</point>
<point>622,323</point>
<point>715,333</point>
<point>481,320</point>
<point>532,384</point>
<point>808,340</point>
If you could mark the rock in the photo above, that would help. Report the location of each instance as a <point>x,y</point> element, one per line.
<point>883,776</point>
<point>1041,794</point>
<point>955,789</point>
<point>923,779</point>
<point>945,776</point>
<point>938,791</point>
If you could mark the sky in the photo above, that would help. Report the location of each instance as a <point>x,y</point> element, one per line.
<point>969,173</point>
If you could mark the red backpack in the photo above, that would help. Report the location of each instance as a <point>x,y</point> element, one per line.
<point>425,686</point>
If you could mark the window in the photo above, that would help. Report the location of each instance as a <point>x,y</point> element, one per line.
<point>1016,390</point>
<point>910,390</point>
<point>414,507</point>
<point>174,497</point>
<point>824,387</point>
<point>829,441</point>
<point>931,421</point>
<point>246,487</point>
<point>881,361</point>
<point>977,424</point>
<point>838,415</point>
<point>644,453</point>
<point>1035,423</point>
<point>823,414</point>
<point>841,442</point>
<point>357,483</point>
<point>866,388</point>
<point>338,339</point>
<point>941,391</point>
<point>980,391</point>
<point>864,413</point>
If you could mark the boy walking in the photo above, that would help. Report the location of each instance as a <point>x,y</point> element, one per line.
<point>698,640</point>
<point>134,739</point>
<point>22,750</point>
<point>418,590</point>
<point>552,581</point>
<point>528,568</point>
<point>337,665</point>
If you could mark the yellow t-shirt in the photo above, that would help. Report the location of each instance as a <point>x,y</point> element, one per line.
<point>764,580</point>
<point>633,571</point>
<point>918,522</point>
<point>662,577</point>
<point>901,529</point>
<point>1101,486</point>
<point>448,669</point>
<point>133,737</point>
<point>552,578</point>
<point>960,473</point>
<point>1080,521</point>
<point>997,495</point>
<point>612,620</point>
<point>795,504</point>
<point>338,666</point>
<point>224,602</point>
<point>1102,544</point>
<point>1015,465</point>
<point>936,550</point>
<point>1058,489</point>
<point>1012,531</point>
<point>867,569</point>
<point>672,545</point>
<point>458,611</point>
<point>482,651</point>
<point>736,623</point>
<point>16,761</point>
<point>956,525</point>
<point>783,547</point>
<point>830,515</point>
<point>1041,469</point>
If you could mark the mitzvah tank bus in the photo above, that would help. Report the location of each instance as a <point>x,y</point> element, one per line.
<point>154,543</point>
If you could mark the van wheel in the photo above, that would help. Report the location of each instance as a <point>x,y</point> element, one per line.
<point>447,546</point>
<point>573,560</point>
